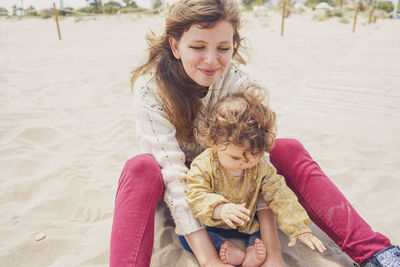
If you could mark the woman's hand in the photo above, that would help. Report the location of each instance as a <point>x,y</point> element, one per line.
<point>232,214</point>
<point>309,240</point>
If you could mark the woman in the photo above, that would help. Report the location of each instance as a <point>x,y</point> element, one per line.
<point>190,65</point>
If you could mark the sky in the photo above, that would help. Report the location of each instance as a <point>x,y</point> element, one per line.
<point>43,4</point>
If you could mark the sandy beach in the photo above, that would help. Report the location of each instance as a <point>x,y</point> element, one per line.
<point>67,127</point>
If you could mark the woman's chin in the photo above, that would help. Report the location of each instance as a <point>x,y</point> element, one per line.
<point>206,82</point>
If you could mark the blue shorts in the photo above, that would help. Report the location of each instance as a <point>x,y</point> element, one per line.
<point>218,237</point>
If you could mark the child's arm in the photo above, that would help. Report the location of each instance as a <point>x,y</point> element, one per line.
<point>206,205</point>
<point>269,236</point>
<point>293,219</point>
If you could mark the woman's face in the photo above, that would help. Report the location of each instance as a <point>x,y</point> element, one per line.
<point>205,53</point>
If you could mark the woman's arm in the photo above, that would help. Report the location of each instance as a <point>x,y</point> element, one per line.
<point>157,137</point>
<point>269,236</point>
<point>268,230</point>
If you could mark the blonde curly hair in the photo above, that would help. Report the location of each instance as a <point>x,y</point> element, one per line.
<point>241,119</point>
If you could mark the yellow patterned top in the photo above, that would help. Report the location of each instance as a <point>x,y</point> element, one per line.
<point>209,184</point>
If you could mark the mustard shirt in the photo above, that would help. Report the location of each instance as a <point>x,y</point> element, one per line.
<point>209,184</point>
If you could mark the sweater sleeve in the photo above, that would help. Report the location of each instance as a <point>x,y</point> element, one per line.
<point>200,196</point>
<point>156,135</point>
<point>292,217</point>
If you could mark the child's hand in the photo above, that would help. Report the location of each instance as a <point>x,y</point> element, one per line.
<point>309,240</point>
<point>233,214</point>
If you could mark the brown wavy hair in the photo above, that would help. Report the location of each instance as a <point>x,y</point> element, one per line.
<point>239,119</point>
<point>180,94</point>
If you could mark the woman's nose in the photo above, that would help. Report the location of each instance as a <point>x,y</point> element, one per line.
<point>211,57</point>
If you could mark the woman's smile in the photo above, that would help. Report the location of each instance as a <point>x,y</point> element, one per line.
<point>209,72</point>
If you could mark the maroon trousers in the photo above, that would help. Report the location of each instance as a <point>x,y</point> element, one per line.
<point>141,187</point>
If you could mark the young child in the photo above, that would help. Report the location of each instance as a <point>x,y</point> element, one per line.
<point>232,180</point>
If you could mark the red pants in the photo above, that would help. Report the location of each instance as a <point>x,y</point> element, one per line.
<point>141,187</point>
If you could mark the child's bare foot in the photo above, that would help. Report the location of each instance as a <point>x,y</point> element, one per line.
<point>255,255</point>
<point>231,254</point>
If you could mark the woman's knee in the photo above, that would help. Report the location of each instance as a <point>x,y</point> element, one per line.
<point>287,146</point>
<point>142,161</point>
<point>142,168</point>
<point>288,156</point>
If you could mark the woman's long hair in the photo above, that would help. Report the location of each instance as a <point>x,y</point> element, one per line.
<point>180,94</point>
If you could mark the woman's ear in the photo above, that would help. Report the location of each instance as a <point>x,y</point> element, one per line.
<point>174,47</point>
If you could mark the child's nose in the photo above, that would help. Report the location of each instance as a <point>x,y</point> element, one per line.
<point>245,165</point>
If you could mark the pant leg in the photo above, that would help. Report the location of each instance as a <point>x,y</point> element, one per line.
<point>216,239</point>
<point>325,204</point>
<point>252,238</point>
<point>140,188</point>
<point>184,243</point>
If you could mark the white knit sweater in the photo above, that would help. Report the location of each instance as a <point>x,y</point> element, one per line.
<point>157,137</point>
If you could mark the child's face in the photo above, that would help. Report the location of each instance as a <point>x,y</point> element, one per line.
<point>235,159</point>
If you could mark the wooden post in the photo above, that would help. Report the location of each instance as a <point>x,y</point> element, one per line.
<point>283,16</point>
<point>371,10</point>
<point>56,17</point>
<point>355,15</point>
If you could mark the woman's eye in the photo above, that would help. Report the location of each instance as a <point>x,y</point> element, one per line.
<point>196,47</point>
<point>224,49</point>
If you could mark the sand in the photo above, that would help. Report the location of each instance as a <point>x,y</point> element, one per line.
<point>67,127</point>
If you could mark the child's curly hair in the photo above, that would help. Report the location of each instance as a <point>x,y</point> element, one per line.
<point>239,119</point>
